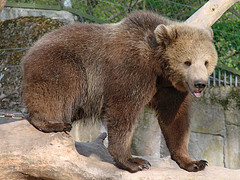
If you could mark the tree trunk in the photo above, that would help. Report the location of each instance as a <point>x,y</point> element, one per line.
<point>208,14</point>
<point>26,153</point>
<point>2,4</point>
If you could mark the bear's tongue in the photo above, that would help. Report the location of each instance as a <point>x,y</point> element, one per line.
<point>197,94</point>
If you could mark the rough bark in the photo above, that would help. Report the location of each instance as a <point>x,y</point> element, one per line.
<point>208,14</point>
<point>2,4</point>
<point>26,153</point>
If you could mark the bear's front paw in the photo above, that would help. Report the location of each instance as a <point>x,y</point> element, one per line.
<point>196,166</point>
<point>134,164</point>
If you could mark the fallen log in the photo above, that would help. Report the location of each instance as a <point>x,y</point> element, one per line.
<point>26,153</point>
<point>2,4</point>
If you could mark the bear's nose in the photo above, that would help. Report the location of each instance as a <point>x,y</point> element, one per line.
<point>200,84</point>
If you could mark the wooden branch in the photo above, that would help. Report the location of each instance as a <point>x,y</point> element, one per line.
<point>26,153</point>
<point>2,4</point>
<point>208,14</point>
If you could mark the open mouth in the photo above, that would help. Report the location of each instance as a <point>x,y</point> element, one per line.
<point>196,93</point>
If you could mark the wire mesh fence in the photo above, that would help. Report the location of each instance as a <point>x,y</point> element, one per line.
<point>223,78</point>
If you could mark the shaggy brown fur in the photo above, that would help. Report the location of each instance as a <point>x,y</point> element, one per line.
<point>112,71</point>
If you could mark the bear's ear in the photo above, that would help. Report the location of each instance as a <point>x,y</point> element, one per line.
<point>210,32</point>
<point>165,35</point>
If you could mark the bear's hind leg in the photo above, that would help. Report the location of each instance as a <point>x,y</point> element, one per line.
<point>48,113</point>
<point>43,123</point>
<point>53,90</point>
<point>50,108</point>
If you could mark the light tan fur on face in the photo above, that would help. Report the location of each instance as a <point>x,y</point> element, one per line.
<point>187,44</point>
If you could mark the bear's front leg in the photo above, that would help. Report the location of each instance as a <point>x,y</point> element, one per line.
<point>120,126</point>
<point>119,147</point>
<point>177,135</point>
<point>172,109</point>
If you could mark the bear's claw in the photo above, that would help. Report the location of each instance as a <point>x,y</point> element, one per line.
<point>146,165</point>
<point>142,163</point>
<point>199,165</point>
<point>134,164</point>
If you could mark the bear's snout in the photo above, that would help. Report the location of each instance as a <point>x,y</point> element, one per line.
<point>197,77</point>
<point>200,85</point>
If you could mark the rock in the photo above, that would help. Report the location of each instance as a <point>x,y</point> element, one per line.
<point>95,149</point>
<point>203,120</point>
<point>232,113</point>
<point>11,13</point>
<point>232,146</point>
<point>87,131</point>
<point>208,147</point>
<point>147,135</point>
<point>26,153</point>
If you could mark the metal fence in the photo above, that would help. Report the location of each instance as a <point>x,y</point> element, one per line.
<point>221,77</point>
<point>226,30</point>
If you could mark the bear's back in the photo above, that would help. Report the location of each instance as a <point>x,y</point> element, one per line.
<point>93,37</point>
<point>145,20</point>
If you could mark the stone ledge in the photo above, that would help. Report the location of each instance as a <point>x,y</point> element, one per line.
<point>11,13</point>
<point>28,153</point>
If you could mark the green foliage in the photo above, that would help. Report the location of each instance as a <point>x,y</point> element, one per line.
<point>178,10</point>
<point>227,38</point>
<point>109,11</point>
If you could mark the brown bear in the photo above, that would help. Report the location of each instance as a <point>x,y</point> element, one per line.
<point>112,71</point>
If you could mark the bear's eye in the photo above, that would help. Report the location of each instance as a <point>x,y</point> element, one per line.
<point>206,63</point>
<point>187,63</point>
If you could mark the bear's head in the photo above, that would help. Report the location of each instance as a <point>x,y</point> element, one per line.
<point>189,55</point>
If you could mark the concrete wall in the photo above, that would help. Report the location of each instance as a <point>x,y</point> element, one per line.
<point>216,124</point>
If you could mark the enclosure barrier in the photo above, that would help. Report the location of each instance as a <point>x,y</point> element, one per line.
<point>224,75</point>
